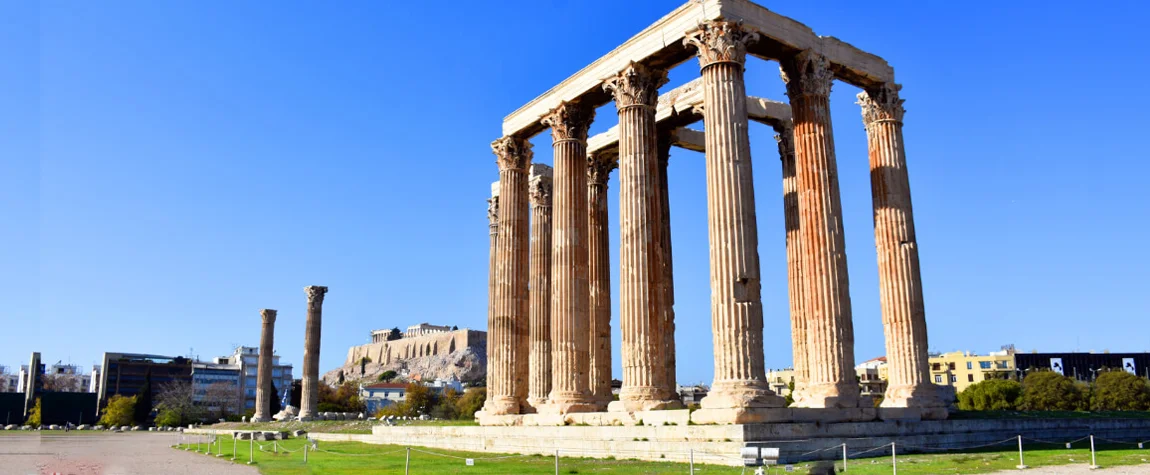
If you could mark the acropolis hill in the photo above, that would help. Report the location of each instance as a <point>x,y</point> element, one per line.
<point>425,352</point>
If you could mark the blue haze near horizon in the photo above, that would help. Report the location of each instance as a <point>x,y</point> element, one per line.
<point>169,169</point>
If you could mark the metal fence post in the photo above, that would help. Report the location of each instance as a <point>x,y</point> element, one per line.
<point>1093,461</point>
<point>556,461</point>
<point>275,447</point>
<point>1021,462</point>
<point>251,449</point>
<point>407,463</point>
<point>893,460</point>
<point>692,460</point>
<point>305,454</point>
<point>234,446</point>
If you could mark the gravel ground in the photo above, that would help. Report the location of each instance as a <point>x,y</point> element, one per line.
<point>106,454</point>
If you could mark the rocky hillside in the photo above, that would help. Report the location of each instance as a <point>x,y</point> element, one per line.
<point>468,365</point>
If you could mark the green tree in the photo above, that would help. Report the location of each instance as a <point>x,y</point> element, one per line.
<point>418,399</point>
<point>790,397</point>
<point>395,334</point>
<point>34,415</point>
<point>143,407</point>
<point>990,395</point>
<point>1050,391</point>
<point>275,406</point>
<point>447,405</point>
<point>388,375</point>
<point>1120,391</point>
<point>470,403</point>
<point>119,411</point>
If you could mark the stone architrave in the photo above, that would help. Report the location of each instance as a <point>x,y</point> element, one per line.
<point>831,379</point>
<point>641,291</point>
<point>310,384</point>
<point>570,287</point>
<point>507,343</point>
<point>900,280</point>
<point>740,389</point>
<point>599,169</point>
<point>539,190</point>
<point>493,227</point>
<point>264,367</point>
<point>785,139</point>
<point>665,142</point>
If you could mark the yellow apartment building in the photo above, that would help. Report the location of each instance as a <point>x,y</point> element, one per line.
<point>961,369</point>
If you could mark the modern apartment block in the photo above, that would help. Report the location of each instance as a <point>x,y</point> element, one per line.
<point>246,360</point>
<point>961,369</point>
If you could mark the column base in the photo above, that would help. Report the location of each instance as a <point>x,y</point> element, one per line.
<point>740,415</point>
<point>923,395</point>
<point>501,405</point>
<point>568,403</point>
<point>833,396</point>
<point>740,395</point>
<point>643,398</point>
<point>533,405</point>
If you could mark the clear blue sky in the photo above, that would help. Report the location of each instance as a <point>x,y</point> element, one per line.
<point>170,168</point>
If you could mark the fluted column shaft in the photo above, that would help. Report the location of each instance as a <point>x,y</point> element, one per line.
<point>785,138</point>
<point>641,290</point>
<point>310,384</point>
<point>493,229</point>
<point>264,367</point>
<point>507,342</point>
<point>900,281</point>
<point>540,191</point>
<point>736,303</point>
<point>570,287</point>
<point>599,271</point>
<point>668,280</point>
<point>830,332</point>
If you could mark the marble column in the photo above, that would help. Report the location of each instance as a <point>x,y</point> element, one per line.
<point>831,380</point>
<point>599,169</point>
<point>641,314</point>
<point>570,286</point>
<point>507,341</point>
<point>493,228</point>
<point>264,367</point>
<point>900,281</point>
<point>740,384</point>
<point>310,397</point>
<point>786,140</point>
<point>539,189</point>
<point>668,288</point>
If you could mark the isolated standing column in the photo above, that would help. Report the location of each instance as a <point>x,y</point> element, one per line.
<point>264,370</point>
<point>832,382</point>
<point>570,287</point>
<point>900,281</point>
<point>507,341</point>
<point>599,169</point>
<point>310,399</point>
<point>641,313</point>
<point>668,281</point>
<point>736,304</point>
<point>493,229</point>
<point>539,189</point>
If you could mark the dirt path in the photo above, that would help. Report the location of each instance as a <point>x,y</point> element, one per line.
<point>106,454</point>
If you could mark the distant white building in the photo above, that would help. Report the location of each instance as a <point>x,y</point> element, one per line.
<point>425,329</point>
<point>9,383</point>
<point>246,360</point>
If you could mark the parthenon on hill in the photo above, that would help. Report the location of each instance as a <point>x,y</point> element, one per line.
<point>550,304</point>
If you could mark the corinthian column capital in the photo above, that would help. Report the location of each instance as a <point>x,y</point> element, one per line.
<point>785,136</point>
<point>807,73</point>
<point>599,168</point>
<point>569,121</point>
<point>512,153</point>
<point>315,294</point>
<point>881,104</point>
<point>539,186</point>
<point>721,42</point>
<point>268,315</point>
<point>636,85</point>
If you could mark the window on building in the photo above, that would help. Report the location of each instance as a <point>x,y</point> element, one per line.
<point>936,367</point>
<point>969,365</point>
<point>984,364</point>
<point>938,378</point>
<point>970,378</point>
<point>953,378</point>
<point>950,365</point>
<point>1003,364</point>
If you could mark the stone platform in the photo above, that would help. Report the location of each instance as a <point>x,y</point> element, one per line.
<point>713,416</point>
<point>720,444</point>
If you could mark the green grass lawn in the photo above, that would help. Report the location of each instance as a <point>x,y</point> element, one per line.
<point>358,458</point>
<point>333,427</point>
